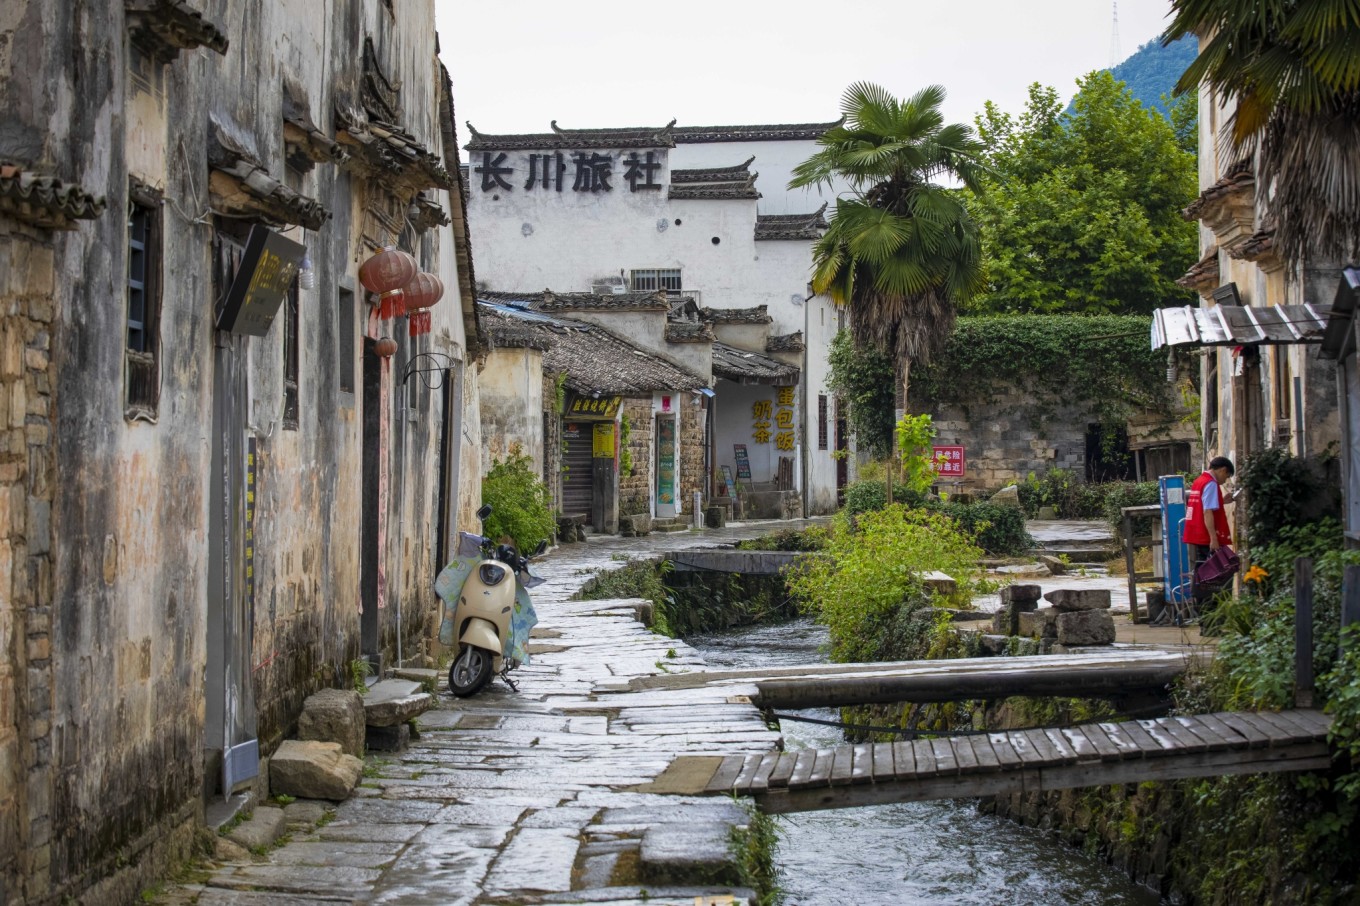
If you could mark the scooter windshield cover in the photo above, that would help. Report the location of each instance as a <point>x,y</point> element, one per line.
<point>491,574</point>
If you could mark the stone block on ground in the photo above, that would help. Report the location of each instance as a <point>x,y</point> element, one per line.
<point>260,830</point>
<point>304,812</point>
<point>313,770</point>
<point>427,677</point>
<point>938,582</point>
<point>715,517</point>
<point>225,850</point>
<point>1007,496</point>
<point>1085,627</point>
<point>1070,600</point>
<point>334,715</point>
<point>1037,624</point>
<point>695,853</point>
<point>392,702</point>
<point>636,525</point>
<point>1053,564</point>
<point>389,739</point>
<point>993,644</point>
<point>1022,594</point>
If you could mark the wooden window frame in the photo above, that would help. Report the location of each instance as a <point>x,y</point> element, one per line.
<point>292,316</point>
<point>143,288</point>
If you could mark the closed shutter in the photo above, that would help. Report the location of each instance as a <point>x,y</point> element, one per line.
<point>577,496</point>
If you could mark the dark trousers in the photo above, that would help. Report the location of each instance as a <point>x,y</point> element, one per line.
<point>1202,594</point>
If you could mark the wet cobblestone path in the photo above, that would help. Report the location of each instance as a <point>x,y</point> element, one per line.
<point>531,797</point>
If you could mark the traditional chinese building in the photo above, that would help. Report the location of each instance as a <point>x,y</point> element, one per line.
<point>617,425</point>
<point>219,485</point>
<point>605,218</point>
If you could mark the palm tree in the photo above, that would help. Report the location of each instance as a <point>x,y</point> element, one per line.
<point>1293,67</point>
<point>901,251</point>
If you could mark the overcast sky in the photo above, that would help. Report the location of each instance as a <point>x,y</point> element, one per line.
<point>517,66</point>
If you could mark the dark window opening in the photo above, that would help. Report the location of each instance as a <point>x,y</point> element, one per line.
<point>290,359</point>
<point>1107,454</point>
<point>344,313</point>
<point>142,370</point>
<point>821,421</point>
<point>652,279</point>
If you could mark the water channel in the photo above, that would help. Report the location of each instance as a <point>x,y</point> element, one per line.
<point>910,853</point>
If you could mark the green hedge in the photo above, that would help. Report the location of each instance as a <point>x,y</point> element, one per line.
<point>997,529</point>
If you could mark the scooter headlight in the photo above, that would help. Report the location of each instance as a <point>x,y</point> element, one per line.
<point>491,574</point>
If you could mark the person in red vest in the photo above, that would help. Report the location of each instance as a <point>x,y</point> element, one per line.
<point>1206,522</point>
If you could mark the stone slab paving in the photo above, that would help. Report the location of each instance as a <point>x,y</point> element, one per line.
<point>533,796</point>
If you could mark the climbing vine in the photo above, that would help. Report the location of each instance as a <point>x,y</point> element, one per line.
<point>865,379</point>
<point>1105,361</point>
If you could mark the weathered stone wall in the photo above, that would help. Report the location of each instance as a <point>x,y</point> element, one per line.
<point>693,451</point>
<point>105,520</point>
<point>1009,431</point>
<point>635,489</point>
<point>513,387</point>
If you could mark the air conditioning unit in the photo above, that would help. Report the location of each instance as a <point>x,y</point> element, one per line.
<point>609,285</point>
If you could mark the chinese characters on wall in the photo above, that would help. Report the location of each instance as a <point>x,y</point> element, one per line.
<point>774,420</point>
<point>590,171</point>
<point>949,461</point>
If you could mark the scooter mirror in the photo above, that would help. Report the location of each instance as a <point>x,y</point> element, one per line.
<point>484,512</point>
<point>542,546</point>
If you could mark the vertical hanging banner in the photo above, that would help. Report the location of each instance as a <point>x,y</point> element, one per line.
<point>665,460</point>
<point>252,461</point>
<point>603,441</point>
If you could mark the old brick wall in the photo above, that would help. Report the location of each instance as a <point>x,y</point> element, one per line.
<point>693,451</point>
<point>635,489</point>
<point>1009,431</point>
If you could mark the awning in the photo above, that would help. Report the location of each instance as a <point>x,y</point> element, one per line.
<point>1238,325</point>
<point>1339,339</point>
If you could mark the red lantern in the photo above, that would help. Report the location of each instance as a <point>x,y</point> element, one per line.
<point>422,293</point>
<point>385,347</point>
<point>385,274</point>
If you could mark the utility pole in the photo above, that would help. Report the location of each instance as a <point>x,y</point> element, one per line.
<point>1114,38</point>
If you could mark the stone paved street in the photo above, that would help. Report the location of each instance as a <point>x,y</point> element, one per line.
<point>532,797</point>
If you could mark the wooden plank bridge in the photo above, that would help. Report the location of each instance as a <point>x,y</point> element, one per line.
<point>1016,761</point>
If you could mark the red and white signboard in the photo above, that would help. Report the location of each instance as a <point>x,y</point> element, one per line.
<point>948,461</point>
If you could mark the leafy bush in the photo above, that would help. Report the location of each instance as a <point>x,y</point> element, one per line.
<point>812,538</point>
<point>867,587</point>
<point>1072,498</point>
<point>1119,494</point>
<point>996,528</point>
<point>519,502</point>
<point>866,379</point>
<point>1282,491</point>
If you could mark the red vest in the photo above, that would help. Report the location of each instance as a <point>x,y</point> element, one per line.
<point>1195,531</point>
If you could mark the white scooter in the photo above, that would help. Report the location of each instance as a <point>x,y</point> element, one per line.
<point>486,613</point>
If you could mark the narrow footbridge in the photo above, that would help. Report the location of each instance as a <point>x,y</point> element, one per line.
<point>1017,761</point>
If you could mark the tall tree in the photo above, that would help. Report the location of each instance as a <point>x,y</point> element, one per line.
<point>1293,67</point>
<point>1082,212</point>
<point>901,250</point>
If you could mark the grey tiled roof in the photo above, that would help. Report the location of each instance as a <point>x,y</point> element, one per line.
<point>760,314</point>
<point>1258,245</point>
<point>747,367</point>
<point>256,193</point>
<point>45,201</point>
<point>306,144</point>
<point>593,359</point>
<point>165,27</point>
<point>1239,179</point>
<point>1204,273</point>
<point>788,342</point>
<point>775,133</point>
<point>715,182</point>
<point>689,332</point>
<point>634,300</point>
<point>558,138</point>
<point>384,150</point>
<point>791,226</point>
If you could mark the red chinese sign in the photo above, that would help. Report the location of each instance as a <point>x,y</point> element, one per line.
<point>948,461</point>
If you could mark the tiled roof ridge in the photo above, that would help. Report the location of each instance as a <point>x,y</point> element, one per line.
<point>689,332</point>
<point>1238,179</point>
<point>735,364</point>
<point>788,342</point>
<point>752,133</point>
<point>386,148</point>
<point>722,191</point>
<point>165,27</point>
<point>791,226</point>
<point>1203,274</point>
<point>758,314</point>
<point>568,139</point>
<point>264,196</point>
<point>45,201</point>
<point>713,174</point>
<point>632,300</point>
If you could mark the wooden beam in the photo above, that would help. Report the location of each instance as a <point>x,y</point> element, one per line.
<point>1309,756</point>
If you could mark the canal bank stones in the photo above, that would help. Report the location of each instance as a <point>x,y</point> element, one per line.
<point>334,715</point>
<point>313,770</point>
<point>1015,601</point>
<point>1083,616</point>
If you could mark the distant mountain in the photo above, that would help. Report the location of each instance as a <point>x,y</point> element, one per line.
<point>1154,70</point>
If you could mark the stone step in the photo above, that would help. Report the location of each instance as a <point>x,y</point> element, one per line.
<point>427,677</point>
<point>670,525</point>
<point>395,701</point>
<point>1077,554</point>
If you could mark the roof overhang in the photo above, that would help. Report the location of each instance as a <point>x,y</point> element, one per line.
<point>1339,340</point>
<point>1238,325</point>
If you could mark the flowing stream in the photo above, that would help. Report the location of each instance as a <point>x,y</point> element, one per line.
<point>910,853</point>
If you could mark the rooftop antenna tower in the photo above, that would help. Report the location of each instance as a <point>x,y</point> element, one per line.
<point>1114,38</point>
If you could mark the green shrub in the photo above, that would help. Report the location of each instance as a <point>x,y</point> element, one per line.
<point>1072,498</point>
<point>1119,494</point>
<point>871,494</point>
<point>812,538</point>
<point>867,587</point>
<point>996,528</point>
<point>519,502</point>
<point>1282,491</point>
